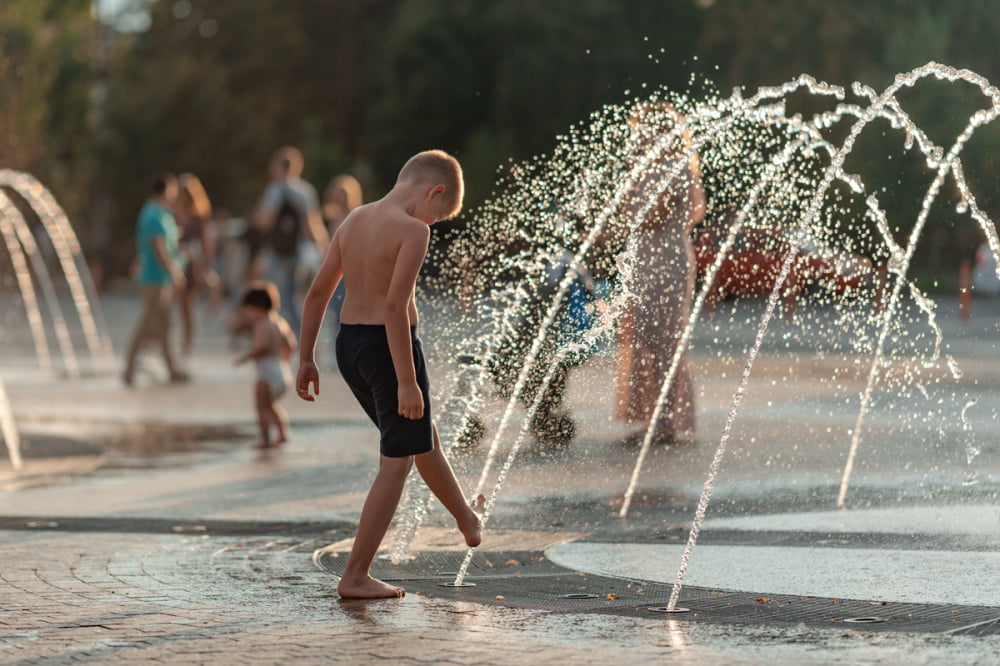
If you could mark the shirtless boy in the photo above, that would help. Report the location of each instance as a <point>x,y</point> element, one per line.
<point>378,251</point>
<point>272,346</point>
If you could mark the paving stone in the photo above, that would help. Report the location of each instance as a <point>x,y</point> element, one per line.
<point>208,559</point>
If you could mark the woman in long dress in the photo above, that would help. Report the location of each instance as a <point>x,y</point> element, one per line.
<point>197,242</point>
<point>662,282</point>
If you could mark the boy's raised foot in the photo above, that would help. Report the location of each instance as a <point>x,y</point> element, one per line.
<point>472,529</point>
<point>368,588</point>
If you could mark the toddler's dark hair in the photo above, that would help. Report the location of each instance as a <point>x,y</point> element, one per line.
<point>263,295</point>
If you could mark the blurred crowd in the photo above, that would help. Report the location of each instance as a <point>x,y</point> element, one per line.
<point>189,252</point>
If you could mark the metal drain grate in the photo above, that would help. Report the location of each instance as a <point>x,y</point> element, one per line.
<point>527,580</point>
<point>989,627</point>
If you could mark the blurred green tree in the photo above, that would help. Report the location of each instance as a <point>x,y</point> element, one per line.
<point>213,86</point>
<point>754,43</point>
<point>360,86</point>
<point>46,55</point>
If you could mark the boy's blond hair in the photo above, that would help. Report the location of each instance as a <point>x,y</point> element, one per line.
<point>436,167</point>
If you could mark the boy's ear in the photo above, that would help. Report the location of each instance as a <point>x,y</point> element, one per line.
<point>437,190</point>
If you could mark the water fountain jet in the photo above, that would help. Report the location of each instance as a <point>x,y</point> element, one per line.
<point>799,169</point>
<point>32,275</point>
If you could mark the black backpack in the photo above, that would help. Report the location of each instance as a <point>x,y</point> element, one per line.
<point>284,237</point>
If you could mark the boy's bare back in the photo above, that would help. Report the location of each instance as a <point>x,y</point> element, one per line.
<point>381,250</point>
<point>378,252</point>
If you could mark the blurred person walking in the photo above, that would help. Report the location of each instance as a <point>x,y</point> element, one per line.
<point>160,275</point>
<point>197,243</point>
<point>295,239</point>
<point>648,336</point>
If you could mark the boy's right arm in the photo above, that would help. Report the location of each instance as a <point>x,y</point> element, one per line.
<point>313,310</point>
<point>409,259</point>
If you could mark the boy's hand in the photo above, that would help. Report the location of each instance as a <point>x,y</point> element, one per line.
<point>411,401</point>
<point>308,374</point>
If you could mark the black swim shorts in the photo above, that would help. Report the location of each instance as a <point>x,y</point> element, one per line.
<point>366,365</point>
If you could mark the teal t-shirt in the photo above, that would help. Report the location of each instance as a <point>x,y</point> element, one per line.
<point>155,221</point>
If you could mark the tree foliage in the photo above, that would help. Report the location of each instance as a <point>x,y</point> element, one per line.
<point>213,86</point>
<point>46,55</point>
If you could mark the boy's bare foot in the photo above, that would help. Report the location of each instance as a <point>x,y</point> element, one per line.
<point>368,588</point>
<point>472,529</point>
<point>281,440</point>
<point>264,445</point>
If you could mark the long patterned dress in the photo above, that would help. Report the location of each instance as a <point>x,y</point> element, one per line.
<point>663,283</point>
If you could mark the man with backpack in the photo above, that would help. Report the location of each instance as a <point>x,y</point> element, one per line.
<point>295,239</point>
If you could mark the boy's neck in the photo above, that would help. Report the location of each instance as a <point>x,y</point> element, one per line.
<point>403,196</point>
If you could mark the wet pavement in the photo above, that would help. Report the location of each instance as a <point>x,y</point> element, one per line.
<point>144,528</point>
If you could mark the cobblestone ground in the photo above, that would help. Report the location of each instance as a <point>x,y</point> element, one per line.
<point>205,556</point>
<point>72,598</point>
<point>111,598</point>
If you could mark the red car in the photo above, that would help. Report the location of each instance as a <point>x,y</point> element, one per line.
<point>755,260</point>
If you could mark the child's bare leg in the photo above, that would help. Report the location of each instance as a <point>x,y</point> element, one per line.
<point>275,415</point>
<point>262,398</point>
<point>376,515</point>
<point>439,477</point>
<point>280,419</point>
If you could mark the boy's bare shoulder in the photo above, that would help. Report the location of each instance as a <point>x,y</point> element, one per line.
<point>390,221</point>
<point>356,216</point>
<point>412,228</point>
<point>398,217</point>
